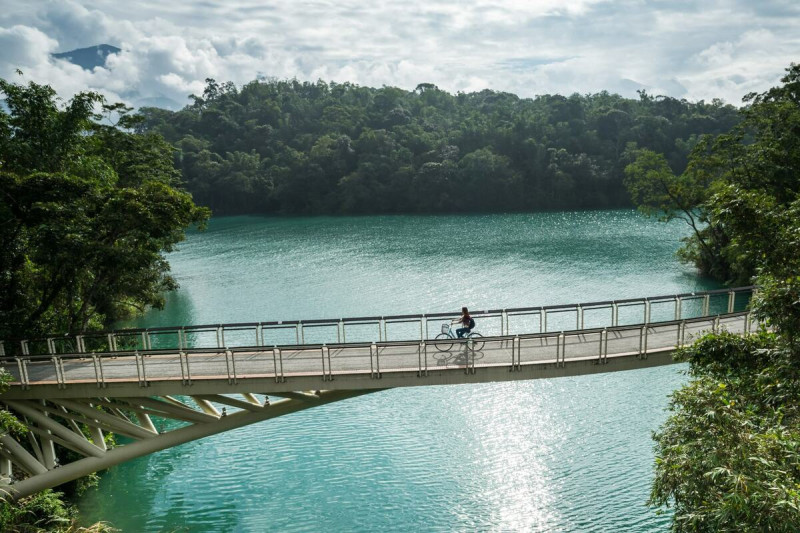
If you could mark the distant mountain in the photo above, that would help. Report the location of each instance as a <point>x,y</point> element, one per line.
<point>89,58</point>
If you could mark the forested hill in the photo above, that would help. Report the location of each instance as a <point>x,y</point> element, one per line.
<point>313,148</point>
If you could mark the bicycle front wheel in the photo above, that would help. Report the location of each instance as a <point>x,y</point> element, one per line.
<point>477,341</point>
<point>443,346</point>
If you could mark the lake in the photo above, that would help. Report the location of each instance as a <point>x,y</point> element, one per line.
<point>568,454</point>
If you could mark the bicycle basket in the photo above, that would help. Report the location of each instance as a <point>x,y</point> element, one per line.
<point>445,328</point>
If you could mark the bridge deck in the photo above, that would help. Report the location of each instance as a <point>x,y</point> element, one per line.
<point>355,365</point>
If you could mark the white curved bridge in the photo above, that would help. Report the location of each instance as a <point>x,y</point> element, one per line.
<point>70,391</point>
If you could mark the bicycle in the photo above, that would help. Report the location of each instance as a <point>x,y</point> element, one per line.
<point>447,333</point>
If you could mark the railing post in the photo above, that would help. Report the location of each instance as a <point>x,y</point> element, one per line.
<point>59,378</point>
<point>233,365</point>
<point>466,355</point>
<point>641,338</point>
<point>228,366</point>
<point>339,328</point>
<point>614,314</point>
<point>646,330</point>
<point>181,355</point>
<point>322,353</point>
<point>563,350</point>
<point>558,348</point>
<point>140,371</point>
<point>706,304</point>
<point>421,334</point>
<point>188,370</point>
<point>144,370</point>
<point>678,307</point>
<point>747,322</point>
<point>471,344</point>
<point>23,375</point>
<point>2,349</point>
<point>600,348</point>
<point>605,346</point>
<point>371,366</point>
<point>419,357</point>
<point>79,344</point>
<point>731,301</point>
<point>425,355</point>
<point>24,347</point>
<point>543,321</point>
<point>580,317</point>
<point>377,361</point>
<point>259,335</point>
<point>683,332</point>
<point>647,311</point>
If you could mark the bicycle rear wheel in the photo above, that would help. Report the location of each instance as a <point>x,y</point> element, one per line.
<point>477,343</point>
<point>443,346</point>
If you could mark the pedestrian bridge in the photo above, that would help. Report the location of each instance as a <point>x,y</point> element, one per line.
<point>161,387</point>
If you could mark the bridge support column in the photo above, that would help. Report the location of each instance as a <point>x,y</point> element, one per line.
<point>5,469</point>
<point>42,478</point>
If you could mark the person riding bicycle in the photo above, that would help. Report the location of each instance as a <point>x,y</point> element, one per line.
<point>467,321</point>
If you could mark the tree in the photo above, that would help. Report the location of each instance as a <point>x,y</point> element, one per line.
<point>728,457</point>
<point>87,210</point>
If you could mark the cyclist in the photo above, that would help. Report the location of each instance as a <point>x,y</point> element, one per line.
<point>467,321</point>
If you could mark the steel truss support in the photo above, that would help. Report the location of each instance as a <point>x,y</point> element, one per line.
<point>57,421</point>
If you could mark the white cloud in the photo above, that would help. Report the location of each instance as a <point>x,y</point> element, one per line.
<point>698,49</point>
<point>23,45</point>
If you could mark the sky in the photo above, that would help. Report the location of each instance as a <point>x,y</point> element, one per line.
<point>693,49</point>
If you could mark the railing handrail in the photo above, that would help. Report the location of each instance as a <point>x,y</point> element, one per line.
<point>377,318</point>
<point>381,344</point>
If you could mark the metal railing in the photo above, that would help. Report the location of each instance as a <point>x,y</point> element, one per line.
<point>327,361</point>
<point>492,322</point>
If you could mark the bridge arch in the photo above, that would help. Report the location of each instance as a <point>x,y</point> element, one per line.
<point>70,401</point>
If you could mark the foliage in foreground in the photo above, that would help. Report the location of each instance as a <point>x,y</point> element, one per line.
<point>728,457</point>
<point>87,210</point>
<point>44,512</point>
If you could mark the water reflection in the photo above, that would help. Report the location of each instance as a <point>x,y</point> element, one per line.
<point>566,454</point>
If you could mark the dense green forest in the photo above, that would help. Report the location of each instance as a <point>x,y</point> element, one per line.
<point>310,148</point>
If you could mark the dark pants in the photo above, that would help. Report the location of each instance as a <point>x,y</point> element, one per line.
<point>461,331</point>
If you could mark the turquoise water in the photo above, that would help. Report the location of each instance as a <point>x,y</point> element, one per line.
<point>570,454</point>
